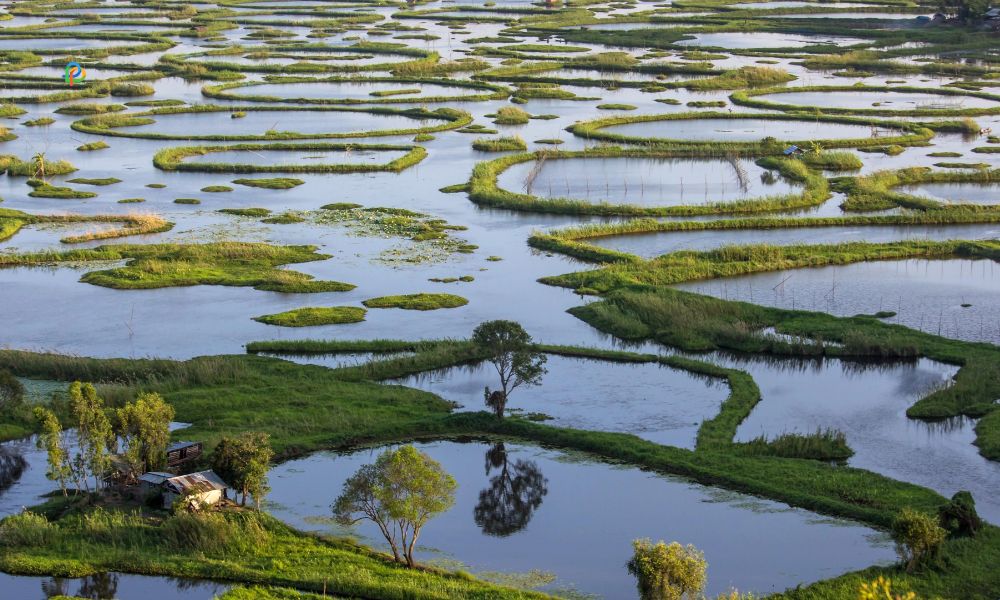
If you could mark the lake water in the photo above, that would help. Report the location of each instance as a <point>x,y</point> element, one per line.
<point>954,298</point>
<point>655,402</point>
<point>521,507</point>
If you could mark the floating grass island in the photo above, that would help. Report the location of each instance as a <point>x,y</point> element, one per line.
<point>170,159</point>
<point>417,301</point>
<point>707,189</point>
<point>135,125</point>
<point>312,317</point>
<point>177,265</point>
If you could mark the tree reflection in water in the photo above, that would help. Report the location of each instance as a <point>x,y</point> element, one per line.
<point>11,467</point>
<point>507,505</point>
<point>99,586</point>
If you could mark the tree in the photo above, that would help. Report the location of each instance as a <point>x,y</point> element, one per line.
<point>667,572</point>
<point>50,439</point>
<point>509,348</point>
<point>11,392</point>
<point>243,462</point>
<point>403,490</point>
<point>507,505</point>
<point>918,537</point>
<point>959,517</point>
<point>144,426</point>
<point>95,436</point>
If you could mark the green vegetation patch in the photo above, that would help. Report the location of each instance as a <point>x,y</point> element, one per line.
<point>754,98</point>
<point>314,316</point>
<point>245,212</point>
<point>417,301</point>
<point>484,189</point>
<point>170,159</point>
<point>100,181</point>
<point>273,183</point>
<point>131,125</point>
<point>426,239</point>
<point>91,146</point>
<point>157,266</point>
<point>500,144</point>
<point>906,133</point>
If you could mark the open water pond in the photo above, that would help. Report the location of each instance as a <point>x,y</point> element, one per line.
<point>868,402</point>
<point>743,41</point>
<point>260,122</point>
<point>109,586</point>
<point>961,193</point>
<point>655,402</point>
<point>881,100</point>
<point>650,245</point>
<point>954,298</point>
<point>741,129</point>
<point>644,181</point>
<point>520,508</point>
<point>353,90</point>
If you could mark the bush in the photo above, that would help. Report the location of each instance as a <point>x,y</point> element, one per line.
<point>11,391</point>
<point>959,516</point>
<point>918,537</point>
<point>26,529</point>
<point>667,572</point>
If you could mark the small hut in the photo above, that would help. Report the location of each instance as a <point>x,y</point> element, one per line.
<point>180,453</point>
<point>152,482</point>
<point>204,488</point>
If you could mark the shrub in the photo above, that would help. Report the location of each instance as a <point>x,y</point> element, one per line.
<point>11,391</point>
<point>26,529</point>
<point>918,537</point>
<point>881,589</point>
<point>959,516</point>
<point>667,572</point>
<point>511,115</point>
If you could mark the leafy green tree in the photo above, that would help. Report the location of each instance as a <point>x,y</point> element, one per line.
<point>95,436</point>
<point>509,348</point>
<point>50,439</point>
<point>243,462</point>
<point>11,392</point>
<point>144,427</point>
<point>667,571</point>
<point>403,490</point>
<point>959,516</point>
<point>918,537</point>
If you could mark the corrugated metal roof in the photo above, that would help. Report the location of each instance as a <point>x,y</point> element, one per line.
<point>179,445</point>
<point>155,477</point>
<point>204,481</point>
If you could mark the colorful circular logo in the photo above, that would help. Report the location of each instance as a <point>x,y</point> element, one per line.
<point>74,73</point>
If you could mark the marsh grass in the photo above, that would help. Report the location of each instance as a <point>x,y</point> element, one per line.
<point>156,266</point>
<point>421,302</point>
<point>314,316</point>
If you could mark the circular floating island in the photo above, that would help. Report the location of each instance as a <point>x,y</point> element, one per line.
<point>750,129</point>
<point>356,90</point>
<point>261,123</point>
<point>269,158</point>
<point>872,100</point>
